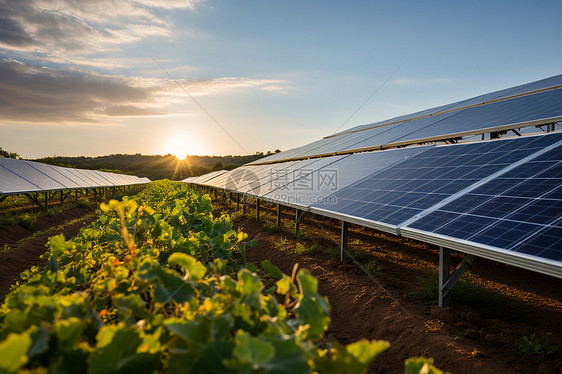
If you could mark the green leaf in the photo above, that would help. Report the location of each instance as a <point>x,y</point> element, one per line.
<point>168,286</point>
<point>312,309</point>
<point>58,245</point>
<point>252,350</point>
<point>13,352</point>
<point>194,268</point>
<point>271,270</point>
<point>421,365</point>
<point>69,332</point>
<point>286,286</point>
<point>289,358</point>
<point>366,351</point>
<point>40,341</point>
<point>116,351</point>
<point>354,358</point>
<point>196,332</point>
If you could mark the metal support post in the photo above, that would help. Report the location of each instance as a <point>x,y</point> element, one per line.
<point>298,218</point>
<point>447,279</point>
<point>278,216</point>
<point>258,209</point>
<point>244,205</point>
<point>444,270</point>
<point>343,248</point>
<point>237,201</point>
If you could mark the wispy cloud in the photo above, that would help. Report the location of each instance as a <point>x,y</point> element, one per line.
<point>37,94</point>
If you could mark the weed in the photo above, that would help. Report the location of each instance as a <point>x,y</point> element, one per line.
<point>537,345</point>
<point>84,203</point>
<point>372,268</point>
<point>6,248</point>
<point>332,251</point>
<point>283,243</point>
<point>302,249</point>
<point>271,227</point>
<point>358,255</point>
<point>488,303</point>
<point>26,220</point>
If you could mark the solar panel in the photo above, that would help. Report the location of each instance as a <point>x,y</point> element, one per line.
<point>296,173</point>
<point>26,171</point>
<point>519,211</point>
<point>262,178</point>
<point>338,173</point>
<point>11,183</point>
<point>501,94</point>
<point>463,118</point>
<point>387,198</point>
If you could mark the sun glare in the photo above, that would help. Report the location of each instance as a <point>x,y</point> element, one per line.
<point>182,146</point>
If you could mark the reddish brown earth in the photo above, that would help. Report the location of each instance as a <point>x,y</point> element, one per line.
<point>378,306</point>
<point>25,250</point>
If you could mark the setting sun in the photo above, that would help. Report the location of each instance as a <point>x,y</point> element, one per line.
<point>182,145</point>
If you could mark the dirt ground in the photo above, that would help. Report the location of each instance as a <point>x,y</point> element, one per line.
<point>375,305</point>
<point>25,248</point>
<point>379,305</point>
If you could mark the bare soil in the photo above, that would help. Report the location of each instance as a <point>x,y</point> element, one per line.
<point>379,305</point>
<point>25,248</point>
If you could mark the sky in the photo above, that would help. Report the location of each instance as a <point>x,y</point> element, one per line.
<point>225,77</point>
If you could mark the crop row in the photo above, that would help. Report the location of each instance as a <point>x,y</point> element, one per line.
<point>157,284</point>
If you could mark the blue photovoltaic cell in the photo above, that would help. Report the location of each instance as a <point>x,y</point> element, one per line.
<point>517,211</point>
<point>395,195</point>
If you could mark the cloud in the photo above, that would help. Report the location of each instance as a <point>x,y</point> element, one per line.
<point>38,94</point>
<point>35,94</point>
<point>76,27</point>
<point>129,110</point>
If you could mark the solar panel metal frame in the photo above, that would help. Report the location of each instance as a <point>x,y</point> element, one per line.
<point>303,152</point>
<point>523,260</point>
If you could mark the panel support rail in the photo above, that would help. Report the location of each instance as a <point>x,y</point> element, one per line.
<point>447,279</point>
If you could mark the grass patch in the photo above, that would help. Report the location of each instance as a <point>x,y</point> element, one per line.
<point>332,251</point>
<point>357,255</point>
<point>372,268</point>
<point>56,228</point>
<point>537,345</point>
<point>486,302</point>
<point>303,249</point>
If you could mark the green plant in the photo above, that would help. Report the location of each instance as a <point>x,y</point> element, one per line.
<point>486,302</point>
<point>537,345</point>
<point>302,249</point>
<point>372,268</point>
<point>155,285</point>
<point>84,203</point>
<point>357,255</point>
<point>333,251</point>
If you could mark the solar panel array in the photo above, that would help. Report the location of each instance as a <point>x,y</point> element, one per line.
<point>500,199</point>
<point>21,176</point>
<point>526,105</point>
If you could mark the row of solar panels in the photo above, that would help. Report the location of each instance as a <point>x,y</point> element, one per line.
<point>499,199</point>
<point>20,176</point>
<point>531,104</point>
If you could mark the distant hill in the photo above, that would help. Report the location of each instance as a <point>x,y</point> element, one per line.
<point>154,167</point>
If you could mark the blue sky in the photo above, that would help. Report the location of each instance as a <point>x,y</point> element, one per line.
<point>83,78</point>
